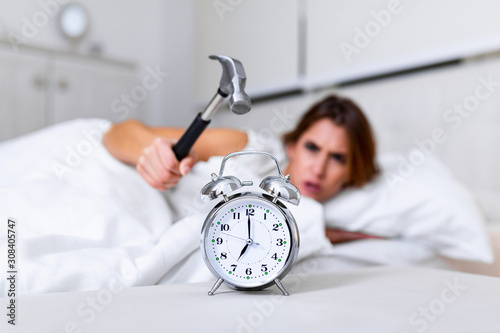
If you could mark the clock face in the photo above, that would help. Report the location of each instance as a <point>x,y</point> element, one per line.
<point>249,241</point>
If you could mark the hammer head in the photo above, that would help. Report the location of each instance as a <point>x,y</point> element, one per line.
<point>232,83</point>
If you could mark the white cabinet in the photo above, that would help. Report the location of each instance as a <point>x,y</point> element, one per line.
<point>89,88</point>
<point>22,94</point>
<point>43,87</point>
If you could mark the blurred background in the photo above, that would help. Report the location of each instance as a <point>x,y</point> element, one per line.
<point>427,73</point>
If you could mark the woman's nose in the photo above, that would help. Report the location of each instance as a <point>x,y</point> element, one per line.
<point>319,165</point>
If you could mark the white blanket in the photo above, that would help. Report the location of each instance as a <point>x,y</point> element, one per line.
<point>86,221</point>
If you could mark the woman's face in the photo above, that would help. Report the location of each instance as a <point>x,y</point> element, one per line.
<point>318,160</point>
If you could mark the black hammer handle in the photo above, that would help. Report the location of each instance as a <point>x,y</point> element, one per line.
<point>186,142</point>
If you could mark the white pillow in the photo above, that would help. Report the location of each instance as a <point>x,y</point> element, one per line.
<point>424,204</point>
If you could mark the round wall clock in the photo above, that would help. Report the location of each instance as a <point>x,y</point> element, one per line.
<point>73,21</point>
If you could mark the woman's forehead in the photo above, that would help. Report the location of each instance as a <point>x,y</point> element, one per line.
<point>326,133</point>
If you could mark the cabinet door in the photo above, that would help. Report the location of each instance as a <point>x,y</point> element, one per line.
<point>86,88</point>
<point>22,93</point>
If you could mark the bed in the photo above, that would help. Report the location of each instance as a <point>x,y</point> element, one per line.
<point>99,250</point>
<point>377,299</point>
<point>84,219</point>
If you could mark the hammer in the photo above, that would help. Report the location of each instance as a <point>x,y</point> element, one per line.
<point>232,83</point>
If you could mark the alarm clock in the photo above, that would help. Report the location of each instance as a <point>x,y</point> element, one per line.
<point>250,240</point>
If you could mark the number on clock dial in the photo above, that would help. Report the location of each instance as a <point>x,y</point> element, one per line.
<point>249,240</point>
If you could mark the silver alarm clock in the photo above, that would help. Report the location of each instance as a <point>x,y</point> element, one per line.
<point>250,240</point>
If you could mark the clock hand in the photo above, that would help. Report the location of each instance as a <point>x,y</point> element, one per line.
<point>249,237</point>
<point>249,227</point>
<point>243,239</point>
<point>243,251</point>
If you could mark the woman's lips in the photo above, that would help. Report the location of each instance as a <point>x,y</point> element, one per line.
<point>312,187</point>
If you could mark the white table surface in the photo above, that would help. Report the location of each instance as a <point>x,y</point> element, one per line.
<point>380,299</point>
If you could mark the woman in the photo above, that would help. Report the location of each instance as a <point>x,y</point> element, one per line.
<point>331,148</point>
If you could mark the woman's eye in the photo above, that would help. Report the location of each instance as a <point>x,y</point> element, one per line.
<point>339,157</point>
<point>311,147</point>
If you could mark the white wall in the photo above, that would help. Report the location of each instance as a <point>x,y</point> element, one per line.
<point>262,34</point>
<point>348,40</point>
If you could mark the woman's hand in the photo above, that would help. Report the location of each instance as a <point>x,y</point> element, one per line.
<point>340,236</point>
<point>159,166</point>
<point>148,149</point>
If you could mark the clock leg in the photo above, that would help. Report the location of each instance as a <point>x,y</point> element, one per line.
<point>215,287</point>
<point>278,283</point>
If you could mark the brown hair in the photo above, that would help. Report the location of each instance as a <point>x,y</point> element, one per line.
<point>344,112</point>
